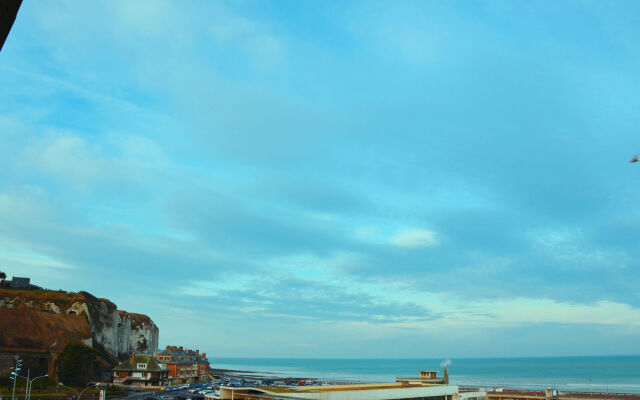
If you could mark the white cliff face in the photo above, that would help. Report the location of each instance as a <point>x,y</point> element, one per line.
<point>142,335</point>
<point>103,320</point>
<point>117,331</point>
<point>51,307</point>
<point>77,308</point>
<point>136,334</point>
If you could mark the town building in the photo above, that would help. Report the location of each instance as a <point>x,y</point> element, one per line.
<point>17,282</point>
<point>184,365</point>
<point>430,377</point>
<point>377,391</point>
<point>141,370</point>
<point>416,388</point>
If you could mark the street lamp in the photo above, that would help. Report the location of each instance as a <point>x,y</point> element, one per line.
<point>14,377</point>
<point>82,391</point>
<point>14,374</point>
<point>30,385</point>
<point>89,387</point>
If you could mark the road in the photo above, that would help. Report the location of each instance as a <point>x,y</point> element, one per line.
<point>168,395</point>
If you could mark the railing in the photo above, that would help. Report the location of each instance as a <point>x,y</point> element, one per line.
<point>419,378</point>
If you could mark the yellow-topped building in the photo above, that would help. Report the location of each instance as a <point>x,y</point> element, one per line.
<point>400,390</point>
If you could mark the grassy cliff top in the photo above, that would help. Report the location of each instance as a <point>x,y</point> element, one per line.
<point>41,295</point>
<point>39,299</point>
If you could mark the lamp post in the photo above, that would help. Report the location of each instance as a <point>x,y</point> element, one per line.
<point>79,394</point>
<point>30,385</point>
<point>14,375</point>
<point>68,387</point>
<point>89,387</point>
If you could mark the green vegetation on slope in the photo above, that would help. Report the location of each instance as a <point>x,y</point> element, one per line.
<point>77,363</point>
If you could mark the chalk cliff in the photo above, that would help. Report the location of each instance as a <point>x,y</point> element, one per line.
<point>38,319</point>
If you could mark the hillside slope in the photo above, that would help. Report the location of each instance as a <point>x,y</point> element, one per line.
<point>36,319</point>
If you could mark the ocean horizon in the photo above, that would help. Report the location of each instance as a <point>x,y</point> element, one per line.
<point>619,374</point>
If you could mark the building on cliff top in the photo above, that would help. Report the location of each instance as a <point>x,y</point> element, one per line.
<point>141,370</point>
<point>17,282</point>
<point>184,365</point>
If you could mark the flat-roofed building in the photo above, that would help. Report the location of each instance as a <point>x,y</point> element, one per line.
<point>472,394</point>
<point>428,377</point>
<point>373,391</point>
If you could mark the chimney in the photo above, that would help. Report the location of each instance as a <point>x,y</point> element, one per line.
<point>168,348</point>
<point>175,348</point>
<point>446,375</point>
<point>204,355</point>
<point>197,352</point>
<point>133,358</point>
<point>181,350</point>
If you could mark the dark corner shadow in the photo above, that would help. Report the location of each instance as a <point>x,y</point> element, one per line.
<point>8,11</point>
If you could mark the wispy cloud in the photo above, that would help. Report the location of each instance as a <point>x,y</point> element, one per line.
<point>411,238</point>
<point>417,173</point>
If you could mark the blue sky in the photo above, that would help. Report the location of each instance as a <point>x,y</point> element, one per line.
<point>332,179</point>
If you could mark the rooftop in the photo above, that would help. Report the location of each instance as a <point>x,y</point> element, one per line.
<point>132,365</point>
<point>379,391</point>
<point>337,388</point>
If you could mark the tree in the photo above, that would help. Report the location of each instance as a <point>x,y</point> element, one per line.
<point>76,364</point>
<point>3,276</point>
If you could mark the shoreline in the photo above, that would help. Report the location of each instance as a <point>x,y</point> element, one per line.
<point>519,388</point>
<point>265,376</point>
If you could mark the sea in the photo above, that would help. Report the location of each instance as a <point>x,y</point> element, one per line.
<point>615,374</point>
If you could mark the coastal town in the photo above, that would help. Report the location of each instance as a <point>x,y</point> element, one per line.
<point>319,200</point>
<point>176,371</point>
<point>161,369</point>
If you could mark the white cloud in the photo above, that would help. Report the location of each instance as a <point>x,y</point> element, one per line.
<point>367,231</point>
<point>548,310</point>
<point>257,40</point>
<point>569,248</point>
<point>145,17</point>
<point>31,261</point>
<point>412,238</point>
<point>322,217</point>
<point>85,162</point>
<point>206,288</point>
<point>526,310</point>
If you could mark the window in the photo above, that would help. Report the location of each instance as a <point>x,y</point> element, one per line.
<point>142,366</point>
